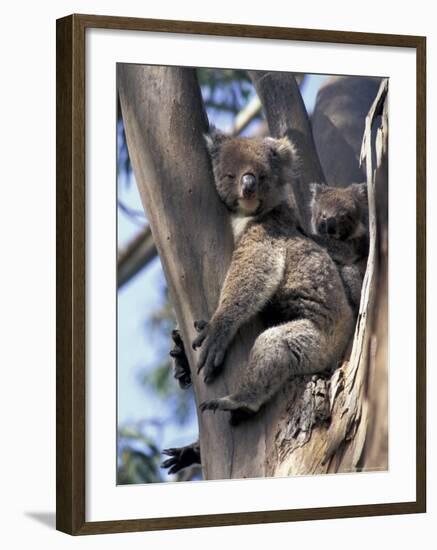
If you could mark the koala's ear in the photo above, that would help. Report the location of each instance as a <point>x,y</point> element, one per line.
<point>359,191</point>
<point>316,189</point>
<point>213,139</point>
<point>284,149</point>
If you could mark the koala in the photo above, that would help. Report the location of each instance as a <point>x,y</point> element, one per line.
<point>340,212</point>
<point>276,271</point>
<point>340,223</point>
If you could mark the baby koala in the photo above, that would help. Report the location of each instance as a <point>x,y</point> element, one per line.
<point>340,223</point>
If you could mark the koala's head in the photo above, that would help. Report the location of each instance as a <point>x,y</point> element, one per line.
<point>251,173</point>
<point>340,213</point>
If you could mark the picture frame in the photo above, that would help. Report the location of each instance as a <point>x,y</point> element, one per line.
<point>71,152</point>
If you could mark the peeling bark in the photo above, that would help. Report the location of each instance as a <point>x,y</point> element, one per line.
<point>333,433</point>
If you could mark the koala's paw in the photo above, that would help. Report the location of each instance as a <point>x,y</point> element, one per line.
<point>181,458</point>
<point>214,344</point>
<point>239,411</point>
<point>181,367</point>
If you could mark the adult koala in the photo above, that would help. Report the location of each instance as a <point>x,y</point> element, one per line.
<point>276,271</point>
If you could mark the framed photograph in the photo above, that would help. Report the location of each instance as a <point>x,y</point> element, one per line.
<point>240,274</point>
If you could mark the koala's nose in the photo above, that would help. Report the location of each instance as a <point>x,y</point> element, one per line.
<point>321,227</point>
<point>248,184</point>
<point>331,226</point>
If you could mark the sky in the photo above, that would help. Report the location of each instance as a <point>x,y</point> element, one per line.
<point>137,299</point>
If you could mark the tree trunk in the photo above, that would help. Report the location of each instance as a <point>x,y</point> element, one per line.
<point>164,121</point>
<point>342,105</point>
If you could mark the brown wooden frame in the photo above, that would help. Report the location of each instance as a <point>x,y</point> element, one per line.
<point>70,297</point>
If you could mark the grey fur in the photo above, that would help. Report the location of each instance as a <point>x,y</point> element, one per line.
<point>276,271</point>
<point>347,242</point>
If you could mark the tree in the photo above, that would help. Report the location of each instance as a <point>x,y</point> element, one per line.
<point>315,424</point>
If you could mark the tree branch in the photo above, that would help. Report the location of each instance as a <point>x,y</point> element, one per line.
<point>286,115</point>
<point>246,115</point>
<point>135,255</point>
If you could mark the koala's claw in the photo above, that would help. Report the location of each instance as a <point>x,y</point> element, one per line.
<point>211,405</point>
<point>213,349</point>
<point>200,325</point>
<point>178,347</point>
<point>202,328</point>
<point>239,411</point>
<point>197,342</point>
<point>180,458</point>
<point>171,463</point>
<point>211,359</point>
<point>181,367</point>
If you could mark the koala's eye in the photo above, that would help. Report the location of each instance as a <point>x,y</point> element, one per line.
<point>230,177</point>
<point>262,177</point>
